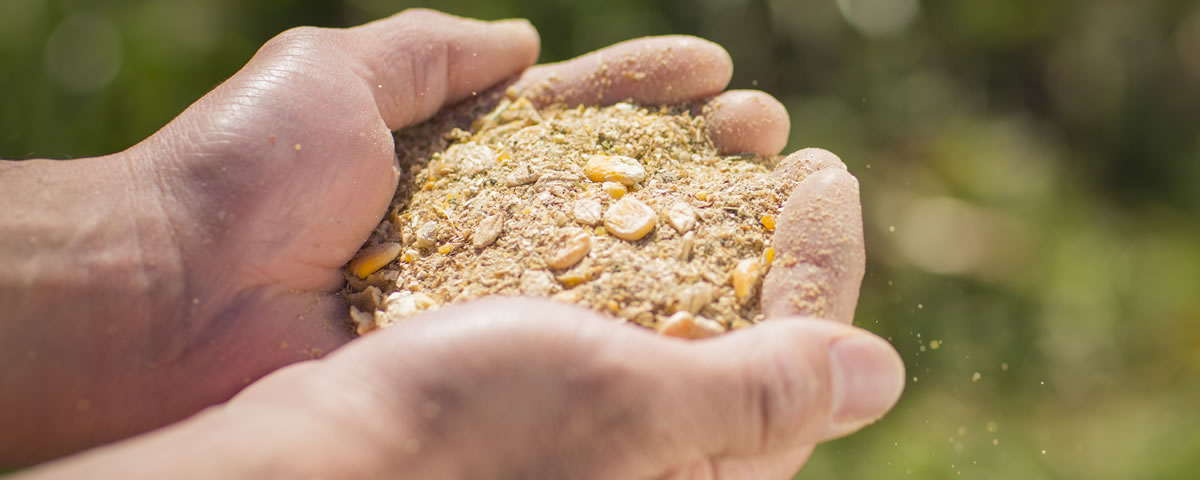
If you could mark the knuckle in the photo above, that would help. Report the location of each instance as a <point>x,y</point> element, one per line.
<point>297,38</point>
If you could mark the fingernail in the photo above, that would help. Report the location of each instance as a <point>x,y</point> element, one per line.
<point>867,377</point>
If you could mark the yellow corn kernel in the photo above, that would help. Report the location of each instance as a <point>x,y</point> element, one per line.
<point>768,256</point>
<point>768,222</point>
<point>612,306</point>
<point>745,278</point>
<point>615,190</point>
<point>630,219</point>
<point>374,258</point>
<point>614,168</point>
<point>601,230</point>
<point>688,326</point>
<point>447,248</point>
<point>409,256</point>
<point>574,279</point>
<point>503,157</point>
<point>702,196</point>
<point>427,186</point>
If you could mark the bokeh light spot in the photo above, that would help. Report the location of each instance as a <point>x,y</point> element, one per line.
<point>83,54</point>
<point>876,18</point>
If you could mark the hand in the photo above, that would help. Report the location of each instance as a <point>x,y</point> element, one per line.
<point>209,254</point>
<point>517,388</point>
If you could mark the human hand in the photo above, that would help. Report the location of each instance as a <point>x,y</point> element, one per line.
<point>216,244</point>
<point>522,388</point>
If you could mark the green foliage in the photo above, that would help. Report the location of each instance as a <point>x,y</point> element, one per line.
<point>1029,173</point>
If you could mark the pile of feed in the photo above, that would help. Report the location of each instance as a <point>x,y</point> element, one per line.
<point>628,210</point>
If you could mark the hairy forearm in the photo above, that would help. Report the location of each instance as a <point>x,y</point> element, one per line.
<point>84,259</point>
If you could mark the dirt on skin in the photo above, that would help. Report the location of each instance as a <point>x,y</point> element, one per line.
<point>628,210</point>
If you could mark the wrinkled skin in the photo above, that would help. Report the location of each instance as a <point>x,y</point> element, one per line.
<point>209,256</point>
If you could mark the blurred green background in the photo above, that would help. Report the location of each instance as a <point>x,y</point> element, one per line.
<point>1030,175</point>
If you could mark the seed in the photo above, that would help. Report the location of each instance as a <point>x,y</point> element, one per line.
<point>445,249</point>
<point>374,258</point>
<point>574,279</point>
<point>768,256</point>
<point>681,216</point>
<point>588,212</point>
<point>406,304</point>
<point>630,219</point>
<point>363,322</point>
<point>614,189</point>
<point>614,168</point>
<point>745,278</point>
<point>487,231</point>
<point>694,298</point>
<point>686,325</point>
<point>685,246</point>
<point>768,222</point>
<point>410,256</point>
<point>572,245</point>
<point>427,235</point>
<point>702,196</point>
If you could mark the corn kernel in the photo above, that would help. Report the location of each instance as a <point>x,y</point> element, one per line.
<point>409,256</point>
<point>574,279</point>
<point>427,186</point>
<point>686,325</point>
<point>615,190</point>
<point>630,219</point>
<point>703,196</point>
<point>768,222</point>
<point>503,157</point>
<point>374,258</point>
<point>601,230</point>
<point>612,306</point>
<point>745,278</point>
<point>572,245</point>
<point>614,168</point>
<point>681,216</point>
<point>768,256</point>
<point>445,249</point>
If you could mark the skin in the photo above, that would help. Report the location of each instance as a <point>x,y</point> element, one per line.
<point>143,287</point>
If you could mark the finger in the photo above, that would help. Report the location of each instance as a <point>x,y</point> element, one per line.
<point>747,121</point>
<point>820,258</point>
<point>786,384</point>
<point>669,69</point>
<point>419,60</point>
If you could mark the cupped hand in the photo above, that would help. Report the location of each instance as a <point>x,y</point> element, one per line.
<point>269,184</point>
<point>274,180</point>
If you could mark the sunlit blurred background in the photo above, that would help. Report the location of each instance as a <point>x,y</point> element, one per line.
<point>1030,173</point>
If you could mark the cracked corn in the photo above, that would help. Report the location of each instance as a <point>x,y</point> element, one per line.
<point>627,210</point>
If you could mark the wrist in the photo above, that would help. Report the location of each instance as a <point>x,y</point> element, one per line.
<point>88,263</point>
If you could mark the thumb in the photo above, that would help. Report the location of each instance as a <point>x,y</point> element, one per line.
<point>419,60</point>
<point>793,382</point>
